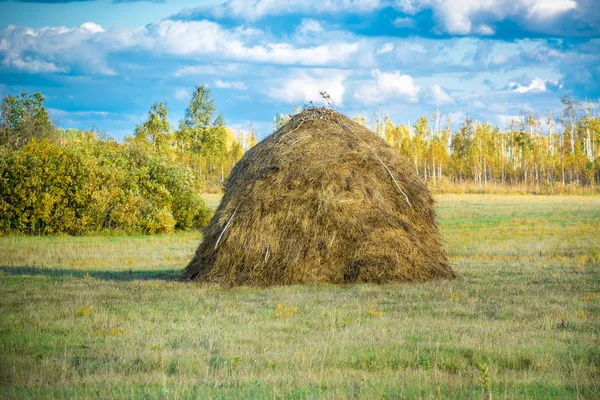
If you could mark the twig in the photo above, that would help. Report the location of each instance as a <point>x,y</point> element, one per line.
<point>327,98</point>
<point>226,225</point>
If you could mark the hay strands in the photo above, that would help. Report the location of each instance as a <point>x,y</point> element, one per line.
<point>381,161</point>
<point>226,226</point>
<point>292,228</point>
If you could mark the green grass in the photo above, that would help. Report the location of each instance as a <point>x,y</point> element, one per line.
<point>104,317</point>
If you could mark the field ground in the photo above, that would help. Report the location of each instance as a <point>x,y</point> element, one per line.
<point>104,317</point>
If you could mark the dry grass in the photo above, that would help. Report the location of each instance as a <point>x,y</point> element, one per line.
<point>544,188</point>
<point>321,200</point>
<point>523,322</point>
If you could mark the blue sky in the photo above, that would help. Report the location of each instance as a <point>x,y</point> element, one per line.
<point>103,63</point>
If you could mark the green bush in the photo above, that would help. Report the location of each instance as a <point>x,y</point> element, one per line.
<point>90,185</point>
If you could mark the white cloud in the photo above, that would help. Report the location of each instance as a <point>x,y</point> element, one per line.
<point>396,83</point>
<point>457,117</point>
<point>309,27</point>
<point>208,38</point>
<point>55,112</point>
<point>387,85</point>
<point>536,85</point>
<point>466,17</point>
<point>87,47</point>
<point>105,71</point>
<point>485,30</point>
<point>368,94</point>
<point>182,94</point>
<point>33,66</point>
<point>386,48</point>
<point>304,87</point>
<point>207,69</point>
<point>545,9</point>
<point>54,49</point>
<point>230,85</point>
<point>253,10</point>
<point>92,27</point>
<point>499,59</point>
<point>438,95</point>
<point>406,22</point>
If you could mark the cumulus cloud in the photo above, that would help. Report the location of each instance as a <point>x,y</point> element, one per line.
<point>236,85</point>
<point>536,85</point>
<point>58,49</point>
<point>387,85</point>
<point>54,49</point>
<point>477,17</point>
<point>545,9</point>
<point>196,38</point>
<point>92,27</point>
<point>454,17</point>
<point>304,87</point>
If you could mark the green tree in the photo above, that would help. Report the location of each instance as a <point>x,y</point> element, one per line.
<point>22,118</point>
<point>156,131</point>
<point>201,139</point>
<point>462,151</point>
<point>200,132</point>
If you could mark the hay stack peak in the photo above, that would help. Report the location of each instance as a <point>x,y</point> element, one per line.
<point>323,199</point>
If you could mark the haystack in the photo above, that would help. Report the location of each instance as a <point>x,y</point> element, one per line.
<point>323,199</point>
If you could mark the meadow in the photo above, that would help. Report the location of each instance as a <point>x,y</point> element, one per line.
<point>104,316</point>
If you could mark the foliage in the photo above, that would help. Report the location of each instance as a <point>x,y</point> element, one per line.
<point>22,118</point>
<point>75,182</point>
<point>90,185</point>
<point>201,141</point>
<point>154,134</point>
<point>523,154</point>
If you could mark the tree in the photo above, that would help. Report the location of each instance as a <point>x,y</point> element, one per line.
<point>156,130</point>
<point>203,136</point>
<point>200,131</point>
<point>462,151</point>
<point>22,118</point>
<point>569,118</point>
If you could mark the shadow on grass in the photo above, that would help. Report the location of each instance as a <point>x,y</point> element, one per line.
<point>125,275</point>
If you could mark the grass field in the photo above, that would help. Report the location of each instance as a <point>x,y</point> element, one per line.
<point>104,317</point>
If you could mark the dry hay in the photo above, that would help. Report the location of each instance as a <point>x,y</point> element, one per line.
<point>323,199</point>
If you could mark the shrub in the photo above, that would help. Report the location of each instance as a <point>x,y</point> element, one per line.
<point>90,185</point>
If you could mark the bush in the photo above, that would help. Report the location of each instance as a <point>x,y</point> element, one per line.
<point>90,185</point>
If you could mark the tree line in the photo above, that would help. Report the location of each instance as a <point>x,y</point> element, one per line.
<point>530,151</point>
<point>55,180</point>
